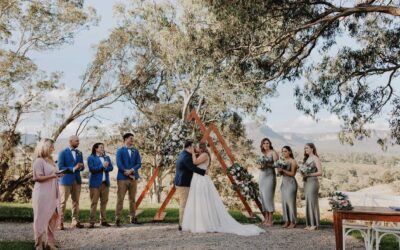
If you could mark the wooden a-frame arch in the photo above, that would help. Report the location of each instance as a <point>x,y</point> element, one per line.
<point>193,116</point>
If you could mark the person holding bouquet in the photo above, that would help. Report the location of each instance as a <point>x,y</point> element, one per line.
<point>289,188</point>
<point>267,180</point>
<point>311,169</point>
<point>99,183</point>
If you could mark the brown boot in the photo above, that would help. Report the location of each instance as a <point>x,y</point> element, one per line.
<point>78,225</point>
<point>105,224</point>
<point>135,221</point>
<point>61,227</point>
<point>91,225</point>
<point>118,223</point>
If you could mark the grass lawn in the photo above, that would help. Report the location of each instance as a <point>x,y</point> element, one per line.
<point>12,212</point>
<point>389,242</point>
<point>17,245</point>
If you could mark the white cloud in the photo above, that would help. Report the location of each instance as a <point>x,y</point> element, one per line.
<point>305,124</point>
<point>59,94</point>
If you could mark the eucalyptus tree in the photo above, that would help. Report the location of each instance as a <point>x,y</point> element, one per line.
<point>173,66</point>
<point>346,52</point>
<point>26,27</point>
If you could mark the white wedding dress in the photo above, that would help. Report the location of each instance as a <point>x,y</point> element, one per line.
<point>205,212</point>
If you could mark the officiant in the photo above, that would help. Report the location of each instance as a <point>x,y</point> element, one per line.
<point>70,161</point>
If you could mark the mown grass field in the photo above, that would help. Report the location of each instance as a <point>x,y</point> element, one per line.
<point>23,213</point>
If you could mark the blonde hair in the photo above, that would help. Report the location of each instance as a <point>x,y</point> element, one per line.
<point>43,149</point>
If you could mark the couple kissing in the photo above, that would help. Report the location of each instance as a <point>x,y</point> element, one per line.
<point>201,209</point>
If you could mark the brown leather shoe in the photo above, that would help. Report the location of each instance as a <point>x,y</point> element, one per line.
<point>118,223</point>
<point>105,224</point>
<point>135,221</point>
<point>78,225</point>
<point>91,225</point>
<point>61,227</point>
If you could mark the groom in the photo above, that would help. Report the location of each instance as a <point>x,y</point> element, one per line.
<point>183,177</point>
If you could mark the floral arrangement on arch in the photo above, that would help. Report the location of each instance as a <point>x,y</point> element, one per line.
<point>244,181</point>
<point>339,200</point>
<point>174,141</point>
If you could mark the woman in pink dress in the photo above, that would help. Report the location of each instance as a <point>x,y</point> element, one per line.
<point>45,196</point>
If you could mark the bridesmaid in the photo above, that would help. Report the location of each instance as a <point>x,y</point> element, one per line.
<point>45,195</point>
<point>311,186</point>
<point>267,181</point>
<point>289,189</point>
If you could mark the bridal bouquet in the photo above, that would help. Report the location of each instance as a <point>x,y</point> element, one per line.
<point>339,200</point>
<point>244,181</point>
<point>174,143</point>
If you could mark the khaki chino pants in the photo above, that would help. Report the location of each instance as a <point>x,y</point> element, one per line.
<point>124,186</point>
<point>101,193</point>
<point>74,191</point>
<point>183,193</point>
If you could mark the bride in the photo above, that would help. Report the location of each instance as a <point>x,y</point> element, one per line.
<point>204,210</point>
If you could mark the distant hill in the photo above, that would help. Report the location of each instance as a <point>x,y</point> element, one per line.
<point>325,142</point>
<point>328,142</point>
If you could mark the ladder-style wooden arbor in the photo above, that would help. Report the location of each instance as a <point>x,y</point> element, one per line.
<point>193,116</point>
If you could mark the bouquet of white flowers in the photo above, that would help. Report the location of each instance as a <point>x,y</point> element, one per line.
<point>282,164</point>
<point>305,168</point>
<point>244,181</point>
<point>339,200</point>
<point>264,160</point>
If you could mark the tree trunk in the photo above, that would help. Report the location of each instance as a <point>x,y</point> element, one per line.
<point>186,99</point>
<point>12,185</point>
<point>159,187</point>
<point>6,156</point>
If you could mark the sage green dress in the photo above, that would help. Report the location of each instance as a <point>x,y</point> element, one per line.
<point>311,188</point>
<point>267,185</point>
<point>289,193</point>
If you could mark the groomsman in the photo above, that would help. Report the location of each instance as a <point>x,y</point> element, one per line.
<point>99,165</point>
<point>128,163</point>
<point>71,159</point>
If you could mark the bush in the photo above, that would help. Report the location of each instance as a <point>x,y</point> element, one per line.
<point>388,177</point>
<point>353,172</point>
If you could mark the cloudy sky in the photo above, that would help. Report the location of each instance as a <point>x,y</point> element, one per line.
<point>73,59</point>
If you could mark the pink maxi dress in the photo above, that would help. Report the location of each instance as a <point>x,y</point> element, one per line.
<point>45,201</point>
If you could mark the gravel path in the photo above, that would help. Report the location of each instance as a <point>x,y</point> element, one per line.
<point>166,236</point>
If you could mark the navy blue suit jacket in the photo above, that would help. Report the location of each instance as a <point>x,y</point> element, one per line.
<point>66,160</point>
<point>185,169</point>
<point>96,171</point>
<point>124,162</point>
